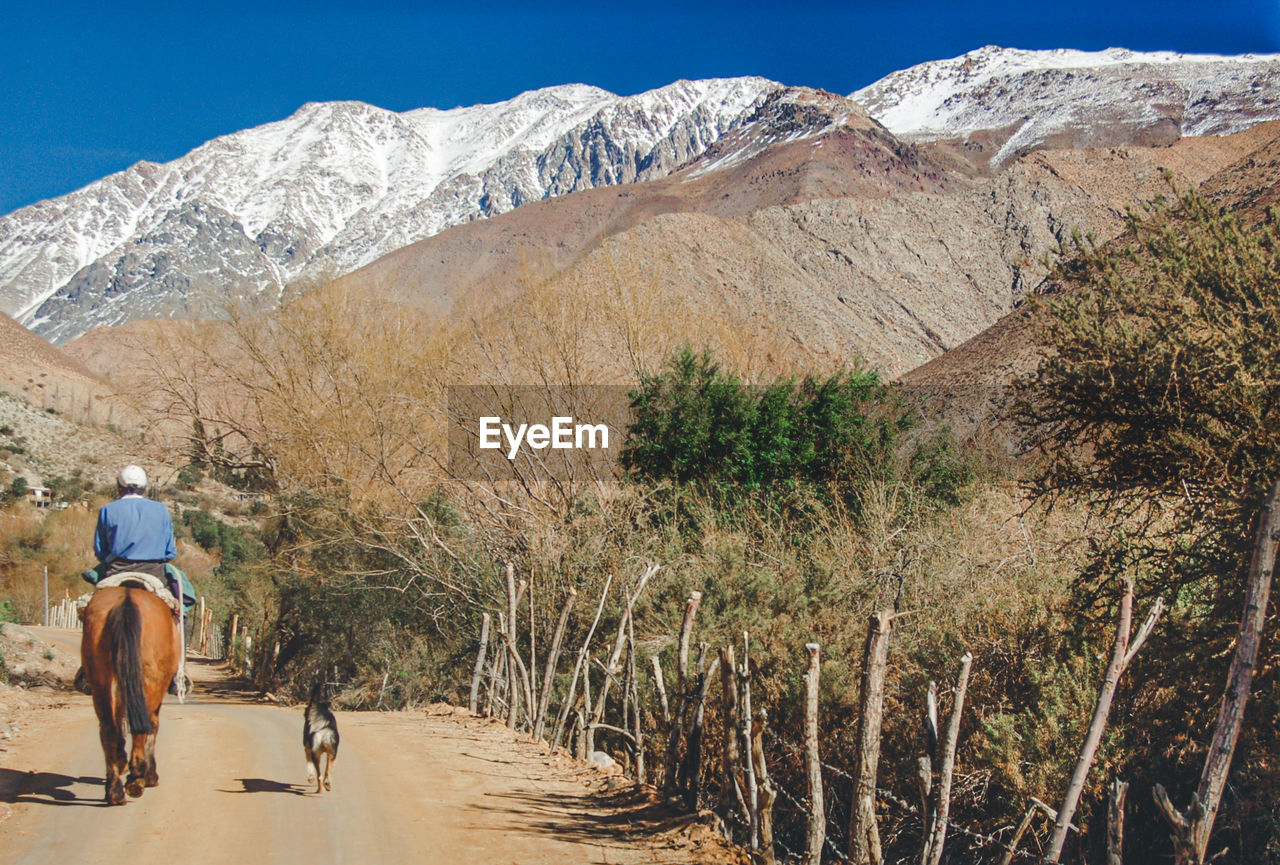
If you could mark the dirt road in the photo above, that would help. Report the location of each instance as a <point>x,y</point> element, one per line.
<point>418,787</point>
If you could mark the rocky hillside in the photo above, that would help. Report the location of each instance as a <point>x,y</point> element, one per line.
<point>48,379</point>
<point>844,243</point>
<point>967,385</point>
<point>835,243</point>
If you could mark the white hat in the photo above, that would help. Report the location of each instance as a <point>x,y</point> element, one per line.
<point>132,476</point>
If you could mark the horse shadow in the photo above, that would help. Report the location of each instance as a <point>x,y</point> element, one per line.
<point>46,788</point>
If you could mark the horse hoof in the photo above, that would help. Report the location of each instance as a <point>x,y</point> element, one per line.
<point>115,794</point>
<point>153,781</point>
<point>135,787</point>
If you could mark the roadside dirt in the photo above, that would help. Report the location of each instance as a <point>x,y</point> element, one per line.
<point>416,786</point>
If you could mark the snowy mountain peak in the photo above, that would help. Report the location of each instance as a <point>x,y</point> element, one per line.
<point>1025,99</point>
<point>332,187</point>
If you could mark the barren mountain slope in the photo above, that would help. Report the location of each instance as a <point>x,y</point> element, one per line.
<point>799,145</point>
<point>845,243</point>
<point>838,241</point>
<point>47,378</point>
<point>967,385</point>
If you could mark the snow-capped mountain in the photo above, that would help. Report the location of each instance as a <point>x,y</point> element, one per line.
<point>1018,100</point>
<point>329,189</point>
<point>339,185</point>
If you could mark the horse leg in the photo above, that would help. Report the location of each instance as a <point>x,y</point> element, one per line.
<point>152,777</point>
<point>142,763</point>
<point>112,736</point>
<point>137,765</point>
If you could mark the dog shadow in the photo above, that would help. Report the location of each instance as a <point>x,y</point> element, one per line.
<point>263,785</point>
<point>45,788</point>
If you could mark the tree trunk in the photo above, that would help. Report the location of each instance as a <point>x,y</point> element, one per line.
<point>864,835</point>
<point>1115,823</point>
<point>817,833</point>
<point>1191,831</point>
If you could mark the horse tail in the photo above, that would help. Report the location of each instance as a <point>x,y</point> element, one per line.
<point>125,626</point>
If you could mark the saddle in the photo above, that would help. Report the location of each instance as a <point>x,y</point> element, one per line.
<point>136,579</point>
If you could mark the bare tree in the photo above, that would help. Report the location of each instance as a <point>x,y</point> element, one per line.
<point>1191,830</point>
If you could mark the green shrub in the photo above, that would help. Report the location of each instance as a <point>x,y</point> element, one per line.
<point>234,543</point>
<point>696,425</point>
<point>189,477</point>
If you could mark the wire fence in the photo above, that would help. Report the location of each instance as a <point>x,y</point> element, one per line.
<point>982,838</point>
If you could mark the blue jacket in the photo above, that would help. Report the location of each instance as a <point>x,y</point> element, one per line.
<point>134,528</point>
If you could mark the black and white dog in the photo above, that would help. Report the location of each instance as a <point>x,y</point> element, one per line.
<point>319,738</point>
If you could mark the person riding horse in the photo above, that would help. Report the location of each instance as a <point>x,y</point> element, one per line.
<point>135,535</point>
<point>131,647</point>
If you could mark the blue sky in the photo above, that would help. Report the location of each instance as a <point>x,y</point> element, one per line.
<point>89,88</point>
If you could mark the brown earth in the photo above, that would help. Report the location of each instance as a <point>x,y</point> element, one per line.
<point>48,378</point>
<point>414,786</point>
<point>968,385</point>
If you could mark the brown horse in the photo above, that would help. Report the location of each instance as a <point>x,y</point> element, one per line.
<point>130,654</point>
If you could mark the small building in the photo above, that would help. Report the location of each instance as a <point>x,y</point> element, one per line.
<point>40,497</point>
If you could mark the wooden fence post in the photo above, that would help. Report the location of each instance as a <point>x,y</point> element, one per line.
<point>749,785</point>
<point>637,729</point>
<point>553,657</point>
<point>509,641</point>
<point>767,793</point>
<point>691,766</point>
<point>1115,822</point>
<point>817,833</point>
<point>731,785</point>
<point>1121,655</point>
<point>596,715</point>
<point>942,792</point>
<point>577,669</point>
<point>864,835</point>
<point>474,704</point>
<point>671,759</point>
